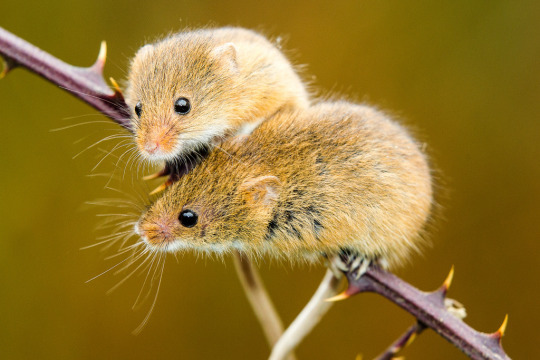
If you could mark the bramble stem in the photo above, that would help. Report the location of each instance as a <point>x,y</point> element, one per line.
<point>85,83</point>
<point>308,317</point>
<point>430,310</point>
<point>259,299</point>
<point>402,342</point>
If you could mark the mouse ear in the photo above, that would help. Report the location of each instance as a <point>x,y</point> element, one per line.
<point>262,190</point>
<point>226,53</point>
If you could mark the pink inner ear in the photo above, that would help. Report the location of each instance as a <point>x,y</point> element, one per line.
<point>263,189</point>
<point>227,53</point>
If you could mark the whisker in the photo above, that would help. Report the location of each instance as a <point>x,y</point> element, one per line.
<point>106,271</point>
<point>110,137</point>
<point>131,273</point>
<point>95,97</point>
<point>111,238</point>
<point>154,256</point>
<point>145,321</point>
<point>80,124</point>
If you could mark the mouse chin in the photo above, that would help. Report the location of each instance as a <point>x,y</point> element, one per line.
<point>183,245</point>
<point>159,156</point>
<point>170,246</point>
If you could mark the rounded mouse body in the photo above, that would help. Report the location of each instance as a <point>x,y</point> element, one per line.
<point>334,177</point>
<point>195,88</point>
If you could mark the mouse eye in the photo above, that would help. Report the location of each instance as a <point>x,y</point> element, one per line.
<point>182,106</point>
<point>188,218</point>
<point>138,109</point>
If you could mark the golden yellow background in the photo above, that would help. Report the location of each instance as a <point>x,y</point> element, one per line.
<point>465,75</point>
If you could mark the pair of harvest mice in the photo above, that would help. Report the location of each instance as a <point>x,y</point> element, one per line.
<point>255,166</point>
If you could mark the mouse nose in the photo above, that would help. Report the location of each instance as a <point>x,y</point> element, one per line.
<point>151,146</point>
<point>157,232</point>
<point>157,141</point>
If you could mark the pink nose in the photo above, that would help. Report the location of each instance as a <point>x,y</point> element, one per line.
<point>151,147</point>
<point>156,233</point>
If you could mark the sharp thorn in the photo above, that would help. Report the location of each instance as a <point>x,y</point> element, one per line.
<point>447,282</point>
<point>500,333</point>
<point>102,56</point>
<point>338,297</point>
<point>410,340</point>
<point>449,278</point>
<point>152,176</point>
<point>7,66</point>
<point>160,188</point>
<point>115,86</point>
<point>160,173</point>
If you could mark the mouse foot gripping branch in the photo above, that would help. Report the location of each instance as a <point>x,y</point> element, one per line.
<point>431,310</point>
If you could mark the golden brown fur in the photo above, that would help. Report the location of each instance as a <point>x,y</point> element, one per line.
<point>233,77</point>
<point>335,176</point>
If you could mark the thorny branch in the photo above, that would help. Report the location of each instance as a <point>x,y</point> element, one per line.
<point>308,318</point>
<point>85,83</point>
<point>428,308</point>
<point>88,85</point>
<point>259,300</point>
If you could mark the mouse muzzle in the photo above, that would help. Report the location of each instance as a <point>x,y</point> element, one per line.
<point>157,143</point>
<point>157,232</point>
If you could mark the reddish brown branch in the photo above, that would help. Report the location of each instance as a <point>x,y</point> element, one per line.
<point>430,310</point>
<point>402,342</point>
<point>85,83</point>
<point>88,85</point>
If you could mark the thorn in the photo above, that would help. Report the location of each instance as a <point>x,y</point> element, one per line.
<point>160,173</point>
<point>115,86</point>
<point>102,56</point>
<point>411,339</point>
<point>7,66</point>
<point>161,187</point>
<point>500,333</point>
<point>338,297</point>
<point>448,281</point>
<point>152,176</point>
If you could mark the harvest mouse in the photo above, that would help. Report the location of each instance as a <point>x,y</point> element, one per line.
<point>195,88</point>
<point>336,178</point>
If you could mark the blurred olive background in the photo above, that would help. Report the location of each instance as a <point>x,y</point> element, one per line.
<point>464,75</point>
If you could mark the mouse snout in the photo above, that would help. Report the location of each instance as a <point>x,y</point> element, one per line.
<point>157,232</point>
<point>157,142</point>
<point>151,147</point>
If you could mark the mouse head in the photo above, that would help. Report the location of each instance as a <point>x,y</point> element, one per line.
<point>179,95</point>
<point>211,215</point>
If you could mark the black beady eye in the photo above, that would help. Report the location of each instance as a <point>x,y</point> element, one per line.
<point>182,106</point>
<point>138,109</point>
<point>188,218</point>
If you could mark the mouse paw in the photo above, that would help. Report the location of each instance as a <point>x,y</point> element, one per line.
<point>351,263</point>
